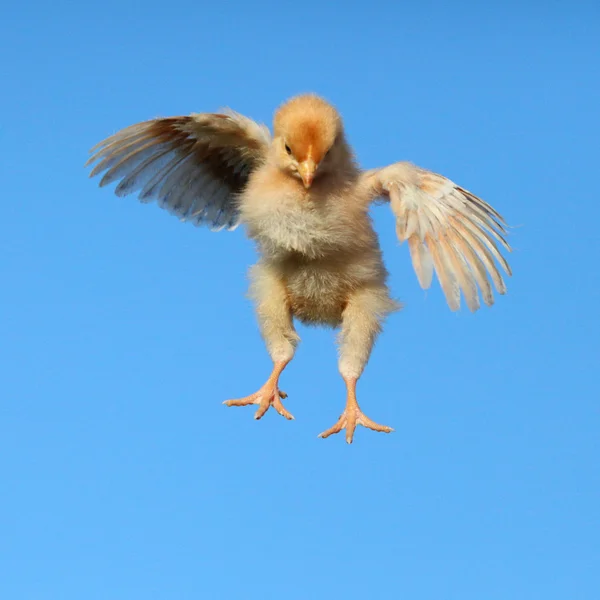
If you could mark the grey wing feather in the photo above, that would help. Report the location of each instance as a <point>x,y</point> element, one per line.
<point>193,166</point>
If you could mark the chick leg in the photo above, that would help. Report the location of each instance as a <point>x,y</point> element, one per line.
<point>361,323</point>
<point>277,329</point>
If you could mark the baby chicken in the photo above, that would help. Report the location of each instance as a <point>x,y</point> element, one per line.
<point>305,202</point>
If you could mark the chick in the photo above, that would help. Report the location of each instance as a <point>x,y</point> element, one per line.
<point>305,202</point>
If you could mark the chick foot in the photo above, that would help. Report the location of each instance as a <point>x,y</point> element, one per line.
<point>268,395</point>
<point>353,416</point>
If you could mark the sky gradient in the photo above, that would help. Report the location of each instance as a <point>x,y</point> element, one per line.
<point>123,330</point>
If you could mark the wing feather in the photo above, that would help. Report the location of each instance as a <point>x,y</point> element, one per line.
<point>484,255</point>
<point>462,273</point>
<point>422,261</point>
<point>445,274</point>
<point>475,265</point>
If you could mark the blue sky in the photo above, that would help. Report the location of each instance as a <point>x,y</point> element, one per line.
<point>124,477</point>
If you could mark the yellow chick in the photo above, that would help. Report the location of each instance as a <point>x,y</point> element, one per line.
<point>305,202</point>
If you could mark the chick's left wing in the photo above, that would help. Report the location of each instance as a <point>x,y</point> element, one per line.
<point>448,229</point>
<point>192,165</point>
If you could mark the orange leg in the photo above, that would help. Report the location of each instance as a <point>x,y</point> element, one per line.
<point>268,395</point>
<point>353,416</point>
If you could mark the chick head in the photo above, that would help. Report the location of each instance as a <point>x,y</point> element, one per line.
<point>308,138</point>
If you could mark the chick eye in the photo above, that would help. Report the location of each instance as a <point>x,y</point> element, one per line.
<point>288,149</point>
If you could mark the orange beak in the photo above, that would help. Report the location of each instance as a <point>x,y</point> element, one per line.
<point>307,170</point>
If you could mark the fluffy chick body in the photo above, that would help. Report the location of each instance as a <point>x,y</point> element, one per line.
<point>319,243</point>
<point>306,208</point>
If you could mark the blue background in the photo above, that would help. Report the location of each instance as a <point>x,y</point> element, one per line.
<point>122,330</point>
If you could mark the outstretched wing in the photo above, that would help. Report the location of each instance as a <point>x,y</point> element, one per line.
<point>448,230</point>
<point>192,165</point>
